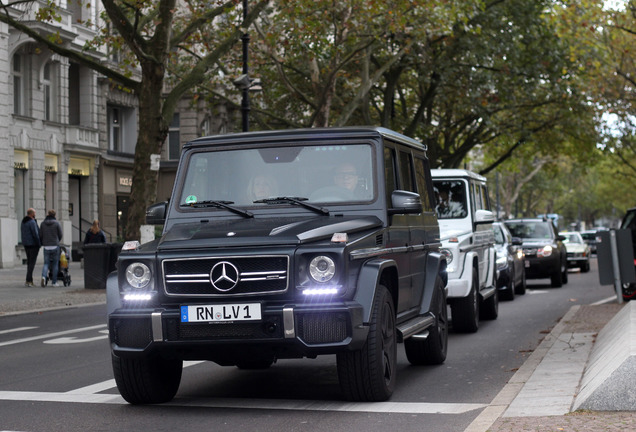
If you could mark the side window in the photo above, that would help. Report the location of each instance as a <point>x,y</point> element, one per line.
<point>485,197</point>
<point>406,172</point>
<point>476,196</point>
<point>423,180</point>
<point>389,173</point>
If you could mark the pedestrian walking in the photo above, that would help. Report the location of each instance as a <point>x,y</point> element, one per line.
<point>31,242</point>
<point>95,234</point>
<point>50,235</point>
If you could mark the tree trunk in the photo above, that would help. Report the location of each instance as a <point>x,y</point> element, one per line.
<point>153,129</point>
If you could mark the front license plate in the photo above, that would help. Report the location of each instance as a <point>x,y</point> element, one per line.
<point>221,313</point>
<point>527,264</point>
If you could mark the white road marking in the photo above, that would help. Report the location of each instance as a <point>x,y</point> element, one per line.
<point>533,291</point>
<point>265,404</point>
<point>606,300</point>
<point>51,335</point>
<point>91,394</point>
<point>17,329</point>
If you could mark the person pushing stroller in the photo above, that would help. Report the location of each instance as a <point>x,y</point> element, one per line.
<point>50,236</point>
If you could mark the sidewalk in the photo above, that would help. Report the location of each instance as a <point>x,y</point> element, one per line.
<point>540,396</point>
<point>16,298</point>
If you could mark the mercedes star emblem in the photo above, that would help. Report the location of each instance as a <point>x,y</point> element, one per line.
<point>224,276</point>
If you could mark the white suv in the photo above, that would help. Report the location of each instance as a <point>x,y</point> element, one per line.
<point>465,222</point>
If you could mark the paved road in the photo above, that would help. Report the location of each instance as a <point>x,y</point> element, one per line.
<point>57,376</point>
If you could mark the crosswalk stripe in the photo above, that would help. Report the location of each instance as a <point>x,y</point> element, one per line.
<point>261,404</point>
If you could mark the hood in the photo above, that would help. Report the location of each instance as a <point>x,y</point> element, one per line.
<point>575,247</point>
<point>26,219</point>
<point>537,242</point>
<point>262,231</point>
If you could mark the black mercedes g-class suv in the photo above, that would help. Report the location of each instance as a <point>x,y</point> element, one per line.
<point>285,244</point>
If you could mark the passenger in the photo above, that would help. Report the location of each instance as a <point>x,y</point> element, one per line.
<point>261,187</point>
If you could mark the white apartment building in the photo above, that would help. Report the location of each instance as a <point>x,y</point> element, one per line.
<point>67,136</point>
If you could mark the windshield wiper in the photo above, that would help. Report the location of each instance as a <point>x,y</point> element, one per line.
<point>220,204</point>
<point>295,200</point>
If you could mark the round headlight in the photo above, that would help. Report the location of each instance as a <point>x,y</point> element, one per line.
<point>322,268</point>
<point>448,254</point>
<point>138,275</point>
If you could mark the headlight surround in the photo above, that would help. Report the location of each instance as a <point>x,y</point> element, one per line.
<point>448,254</point>
<point>322,268</point>
<point>138,275</point>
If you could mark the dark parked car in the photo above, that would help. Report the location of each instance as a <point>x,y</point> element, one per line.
<point>589,237</point>
<point>545,253</point>
<point>629,222</point>
<point>511,275</point>
<point>285,244</point>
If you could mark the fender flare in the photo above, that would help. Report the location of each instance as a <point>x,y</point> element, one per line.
<point>435,266</point>
<point>369,276</point>
<point>113,298</point>
<point>467,271</point>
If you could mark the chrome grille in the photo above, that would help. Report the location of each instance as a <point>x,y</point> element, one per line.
<point>256,275</point>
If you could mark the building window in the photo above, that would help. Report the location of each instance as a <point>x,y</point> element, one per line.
<point>50,91</point>
<point>205,127</point>
<point>18,84</point>
<point>174,138</point>
<point>114,129</point>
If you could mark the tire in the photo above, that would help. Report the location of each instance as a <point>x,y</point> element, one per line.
<point>490,308</point>
<point>465,310</point>
<point>433,349</point>
<point>585,267</point>
<point>369,374</point>
<point>564,274</point>
<point>147,380</point>
<point>629,292</point>
<point>509,292</point>
<point>557,279</point>
<point>521,288</point>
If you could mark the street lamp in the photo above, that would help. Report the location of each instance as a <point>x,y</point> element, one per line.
<point>245,102</point>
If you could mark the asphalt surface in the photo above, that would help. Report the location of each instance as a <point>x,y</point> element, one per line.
<point>538,397</point>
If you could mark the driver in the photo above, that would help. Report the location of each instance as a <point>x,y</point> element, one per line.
<point>346,176</point>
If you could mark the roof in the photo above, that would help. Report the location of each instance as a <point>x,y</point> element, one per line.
<point>452,173</point>
<point>306,134</point>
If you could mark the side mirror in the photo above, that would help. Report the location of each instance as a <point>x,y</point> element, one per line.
<point>560,237</point>
<point>156,213</point>
<point>405,202</point>
<point>484,217</point>
<point>516,241</point>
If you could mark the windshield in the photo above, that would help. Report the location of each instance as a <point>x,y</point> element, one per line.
<point>572,238</point>
<point>534,230</point>
<point>450,199</point>
<point>252,177</point>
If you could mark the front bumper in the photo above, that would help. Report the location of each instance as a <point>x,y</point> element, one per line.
<point>289,331</point>
<point>577,261</point>
<point>542,267</point>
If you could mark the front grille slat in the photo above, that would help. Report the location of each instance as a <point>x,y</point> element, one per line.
<point>257,275</point>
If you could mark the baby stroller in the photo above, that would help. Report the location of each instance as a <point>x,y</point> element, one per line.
<point>63,274</point>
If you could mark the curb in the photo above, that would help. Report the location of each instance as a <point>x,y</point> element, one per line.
<point>504,398</point>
